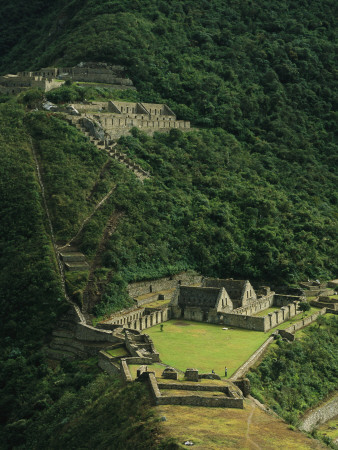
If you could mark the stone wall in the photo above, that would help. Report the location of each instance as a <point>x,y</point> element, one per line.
<point>241,371</point>
<point>162,284</point>
<point>257,305</point>
<point>240,291</point>
<point>196,400</point>
<point>198,297</point>
<point>141,319</point>
<point>235,401</point>
<point>107,364</point>
<point>260,323</point>
<point>88,333</point>
<point>284,300</point>
<point>320,415</point>
<point>281,315</point>
<point>125,372</point>
<point>243,321</point>
<point>304,322</point>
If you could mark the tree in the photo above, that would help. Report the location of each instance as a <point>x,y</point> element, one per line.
<point>304,306</point>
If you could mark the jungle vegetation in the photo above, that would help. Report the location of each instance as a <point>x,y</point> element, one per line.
<point>251,193</point>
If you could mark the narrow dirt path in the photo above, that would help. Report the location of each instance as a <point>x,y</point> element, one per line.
<point>94,291</point>
<point>247,438</point>
<point>87,219</point>
<point>57,255</point>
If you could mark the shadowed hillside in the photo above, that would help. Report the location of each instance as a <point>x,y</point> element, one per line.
<point>251,193</point>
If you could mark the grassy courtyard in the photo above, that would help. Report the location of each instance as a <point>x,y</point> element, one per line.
<point>204,346</point>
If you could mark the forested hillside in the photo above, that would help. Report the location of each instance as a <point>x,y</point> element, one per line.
<point>251,193</point>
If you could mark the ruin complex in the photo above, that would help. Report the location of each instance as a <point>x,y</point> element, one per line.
<point>49,78</point>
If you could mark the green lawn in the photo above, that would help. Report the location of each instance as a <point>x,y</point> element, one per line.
<point>119,351</point>
<point>330,429</point>
<point>265,312</point>
<point>204,346</point>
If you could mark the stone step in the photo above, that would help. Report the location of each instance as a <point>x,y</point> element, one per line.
<point>63,333</point>
<point>66,343</point>
<point>68,249</point>
<point>59,355</point>
<point>72,256</point>
<point>68,349</point>
<point>76,266</point>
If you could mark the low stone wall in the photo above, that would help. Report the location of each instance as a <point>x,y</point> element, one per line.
<point>163,284</point>
<point>304,322</point>
<point>107,364</point>
<point>195,387</point>
<point>243,321</point>
<point>235,401</point>
<point>284,300</point>
<point>147,300</point>
<point>320,415</point>
<point>107,326</point>
<point>88,333</point>
<point>138,360</point>
<point>156,394</point>
<point>241,371</point>
<point>281,315</point>
<point>286,335</point>
<point>320,304</point>
<point>141,319</point>
<point>125,372</point>
<point>196,400</point>
<point>257,305</point>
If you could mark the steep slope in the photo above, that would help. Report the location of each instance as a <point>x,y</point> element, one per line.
<point>255,197</point>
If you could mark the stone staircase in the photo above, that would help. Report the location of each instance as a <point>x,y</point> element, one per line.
<point>110,147</point>
<point>73,260</point>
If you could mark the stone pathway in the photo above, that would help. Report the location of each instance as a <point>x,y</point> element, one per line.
<point>111,150</point>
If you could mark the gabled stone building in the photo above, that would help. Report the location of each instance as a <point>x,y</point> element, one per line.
<point>203,304</point>
<point>241,292</point>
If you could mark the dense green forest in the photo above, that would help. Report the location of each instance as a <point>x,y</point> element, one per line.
<point>294,377</point>
<point>251,193</point>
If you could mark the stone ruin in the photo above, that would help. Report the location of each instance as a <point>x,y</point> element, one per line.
<point>232,303</point>
<point>116,118</point>
<point>169,373</point>
<point>49,78</point>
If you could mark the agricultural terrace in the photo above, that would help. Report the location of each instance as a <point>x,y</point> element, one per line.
<point>208,347</point>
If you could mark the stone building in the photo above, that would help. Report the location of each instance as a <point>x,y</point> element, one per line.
<point>203,304</point>
<point>96,72</point>
<point>240,291</point>
<point>117,118</point>
<point>49,78</point>
<point>43,79</point>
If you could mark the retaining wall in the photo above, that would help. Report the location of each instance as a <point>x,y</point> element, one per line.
<point>195,387</point>
<point>88,333</point>
<point>107,364</point>
<point>320,415</point>
<point>196,400</point>
<point>126,376</point>
<point>241,371</point>
<point>163,284</point>
<point>304,322</point>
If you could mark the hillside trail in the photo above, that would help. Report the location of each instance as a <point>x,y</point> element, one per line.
<point>247,438</point>
<point>87,219</point>
<point>93,290</point>
<point>57,254</point>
